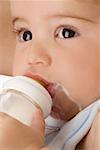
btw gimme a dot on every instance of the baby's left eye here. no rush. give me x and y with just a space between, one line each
65 32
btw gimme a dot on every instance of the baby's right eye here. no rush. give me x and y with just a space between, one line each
24 35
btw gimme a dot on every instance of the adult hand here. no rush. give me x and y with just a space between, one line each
16 136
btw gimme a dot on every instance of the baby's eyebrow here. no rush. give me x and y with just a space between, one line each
18 19
82 11
69 16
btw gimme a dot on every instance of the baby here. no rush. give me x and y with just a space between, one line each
58 41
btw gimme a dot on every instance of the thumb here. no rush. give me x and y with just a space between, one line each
38 122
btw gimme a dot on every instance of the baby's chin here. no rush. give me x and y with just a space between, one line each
64 107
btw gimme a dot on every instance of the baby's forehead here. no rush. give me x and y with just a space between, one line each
40 8
51 3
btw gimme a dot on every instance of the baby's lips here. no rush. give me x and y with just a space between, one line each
52 89
35 77
49 86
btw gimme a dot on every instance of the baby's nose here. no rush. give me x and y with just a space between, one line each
39 57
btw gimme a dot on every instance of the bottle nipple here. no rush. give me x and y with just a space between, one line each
41 83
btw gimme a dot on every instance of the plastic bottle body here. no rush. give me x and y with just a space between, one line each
20 100
17 106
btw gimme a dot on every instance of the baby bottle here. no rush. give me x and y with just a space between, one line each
19 97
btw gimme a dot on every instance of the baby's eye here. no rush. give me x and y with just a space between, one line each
24 36
66 32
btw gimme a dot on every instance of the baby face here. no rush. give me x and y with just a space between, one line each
60 41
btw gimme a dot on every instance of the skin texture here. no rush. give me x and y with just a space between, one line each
77 57
21 136
7 42
72 62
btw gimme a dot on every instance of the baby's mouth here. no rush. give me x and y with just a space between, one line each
48 85
64 107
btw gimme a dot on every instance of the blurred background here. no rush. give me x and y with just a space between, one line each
7 44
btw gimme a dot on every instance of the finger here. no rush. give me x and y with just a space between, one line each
38 121
4 117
